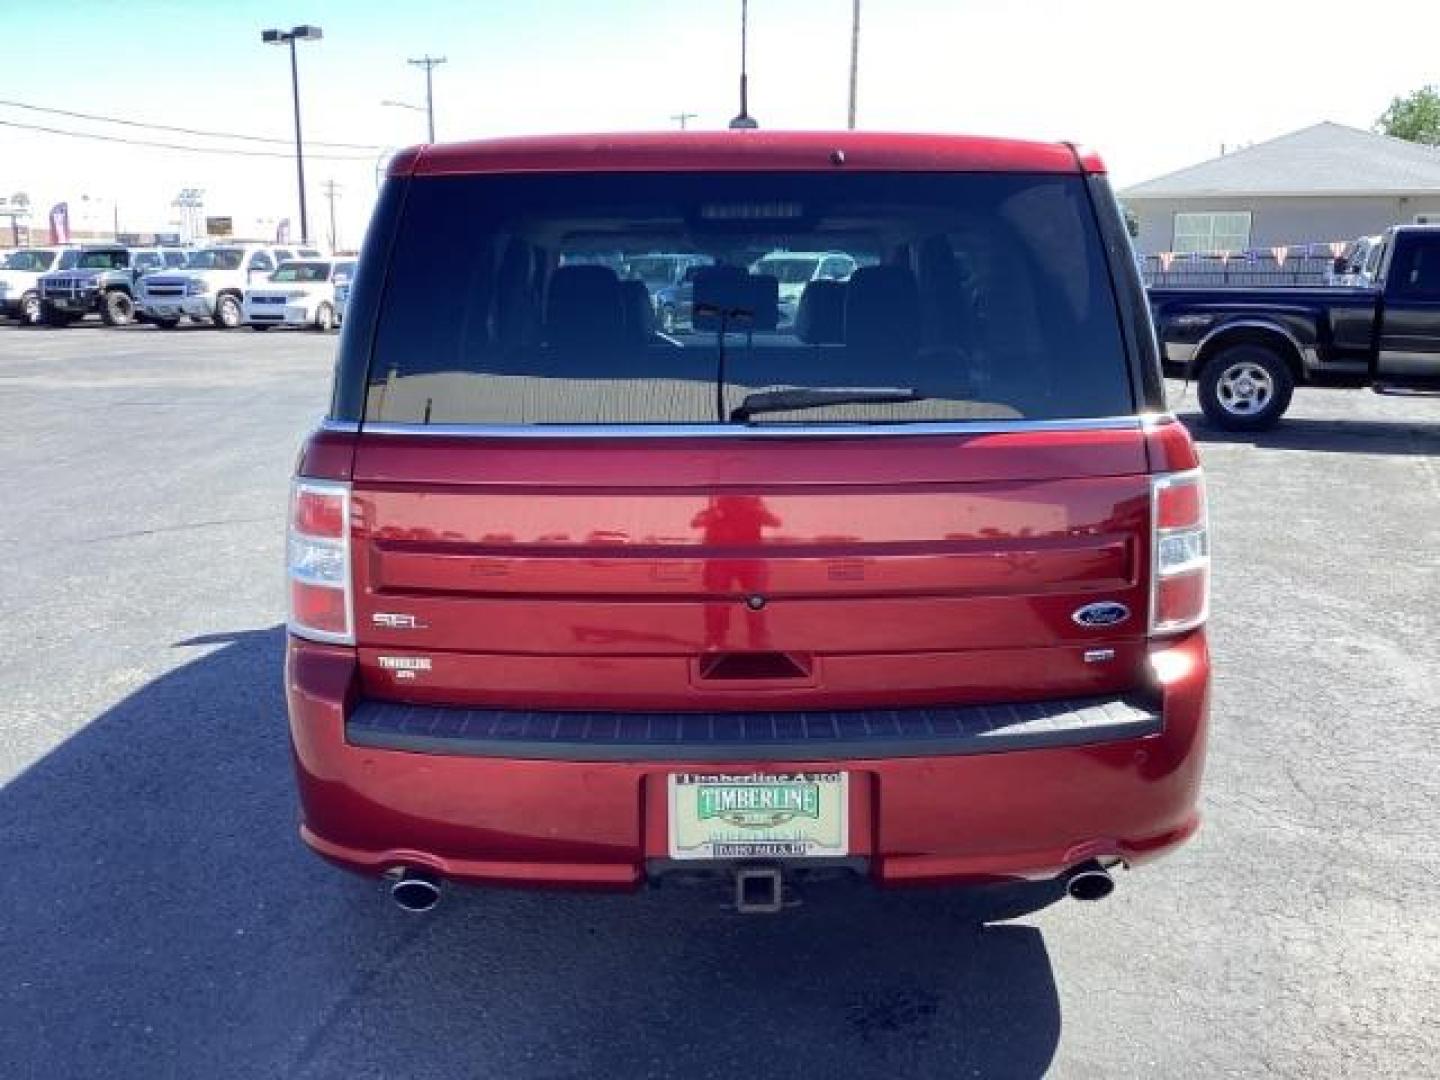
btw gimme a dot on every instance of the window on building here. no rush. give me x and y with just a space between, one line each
1212 232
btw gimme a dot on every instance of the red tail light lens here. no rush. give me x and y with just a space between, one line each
1180 553
317 563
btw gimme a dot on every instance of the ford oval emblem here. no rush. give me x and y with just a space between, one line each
1104 613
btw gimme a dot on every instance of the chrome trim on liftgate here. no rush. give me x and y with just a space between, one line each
731 431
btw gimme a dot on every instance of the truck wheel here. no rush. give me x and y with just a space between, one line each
1245 388
324 318
117 309
227 312
30 309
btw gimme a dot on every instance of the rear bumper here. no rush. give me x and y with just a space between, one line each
941 818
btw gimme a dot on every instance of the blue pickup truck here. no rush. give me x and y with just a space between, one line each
1247 349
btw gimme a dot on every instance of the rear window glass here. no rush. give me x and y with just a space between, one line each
554 300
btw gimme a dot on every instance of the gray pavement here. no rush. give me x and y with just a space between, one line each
159 918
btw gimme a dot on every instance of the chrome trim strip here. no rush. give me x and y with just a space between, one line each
731 431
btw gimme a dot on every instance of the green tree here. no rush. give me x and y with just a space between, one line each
1415 117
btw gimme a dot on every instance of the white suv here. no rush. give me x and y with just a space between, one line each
20 277
211 287
299 293
796 269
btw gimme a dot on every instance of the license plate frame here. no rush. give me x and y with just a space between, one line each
738 816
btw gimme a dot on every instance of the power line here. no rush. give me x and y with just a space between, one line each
229 152
177 130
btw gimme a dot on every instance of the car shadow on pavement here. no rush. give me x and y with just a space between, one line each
159 917
1336 436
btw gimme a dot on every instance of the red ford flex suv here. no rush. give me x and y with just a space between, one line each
913 586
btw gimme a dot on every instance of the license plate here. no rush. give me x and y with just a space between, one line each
759 815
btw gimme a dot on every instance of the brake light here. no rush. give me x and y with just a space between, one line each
1180 553
317 565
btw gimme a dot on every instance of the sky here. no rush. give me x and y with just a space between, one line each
1154 86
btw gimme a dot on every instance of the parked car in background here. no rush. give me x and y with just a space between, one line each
212 286
674 303
900 592
300 293
20 273
103 281
1248 348
796 269
658 271
1359 262
342 298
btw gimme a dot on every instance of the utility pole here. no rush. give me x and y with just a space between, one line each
429 63
854 59
332 192
682 117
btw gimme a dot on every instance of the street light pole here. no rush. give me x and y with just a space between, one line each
299 143
429 63
277 37
854 59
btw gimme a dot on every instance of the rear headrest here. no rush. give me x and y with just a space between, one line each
731 288
584 307
820 318
882 310
639 310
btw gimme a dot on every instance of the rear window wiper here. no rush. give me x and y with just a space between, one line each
767 401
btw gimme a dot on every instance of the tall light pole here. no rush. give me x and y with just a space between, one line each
429 63
743 120
284 37
854 59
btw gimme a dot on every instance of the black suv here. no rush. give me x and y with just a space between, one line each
102 281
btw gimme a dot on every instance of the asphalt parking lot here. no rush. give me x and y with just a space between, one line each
159 918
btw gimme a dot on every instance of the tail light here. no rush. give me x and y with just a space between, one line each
317 564
1180 553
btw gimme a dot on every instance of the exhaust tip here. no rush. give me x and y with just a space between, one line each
1092 882
416 892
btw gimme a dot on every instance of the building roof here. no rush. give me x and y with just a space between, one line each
765 151
1326 159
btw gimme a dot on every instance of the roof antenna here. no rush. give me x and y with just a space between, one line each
744 121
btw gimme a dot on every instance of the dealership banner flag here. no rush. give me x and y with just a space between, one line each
1166 258
282 231
60 223
1281 254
